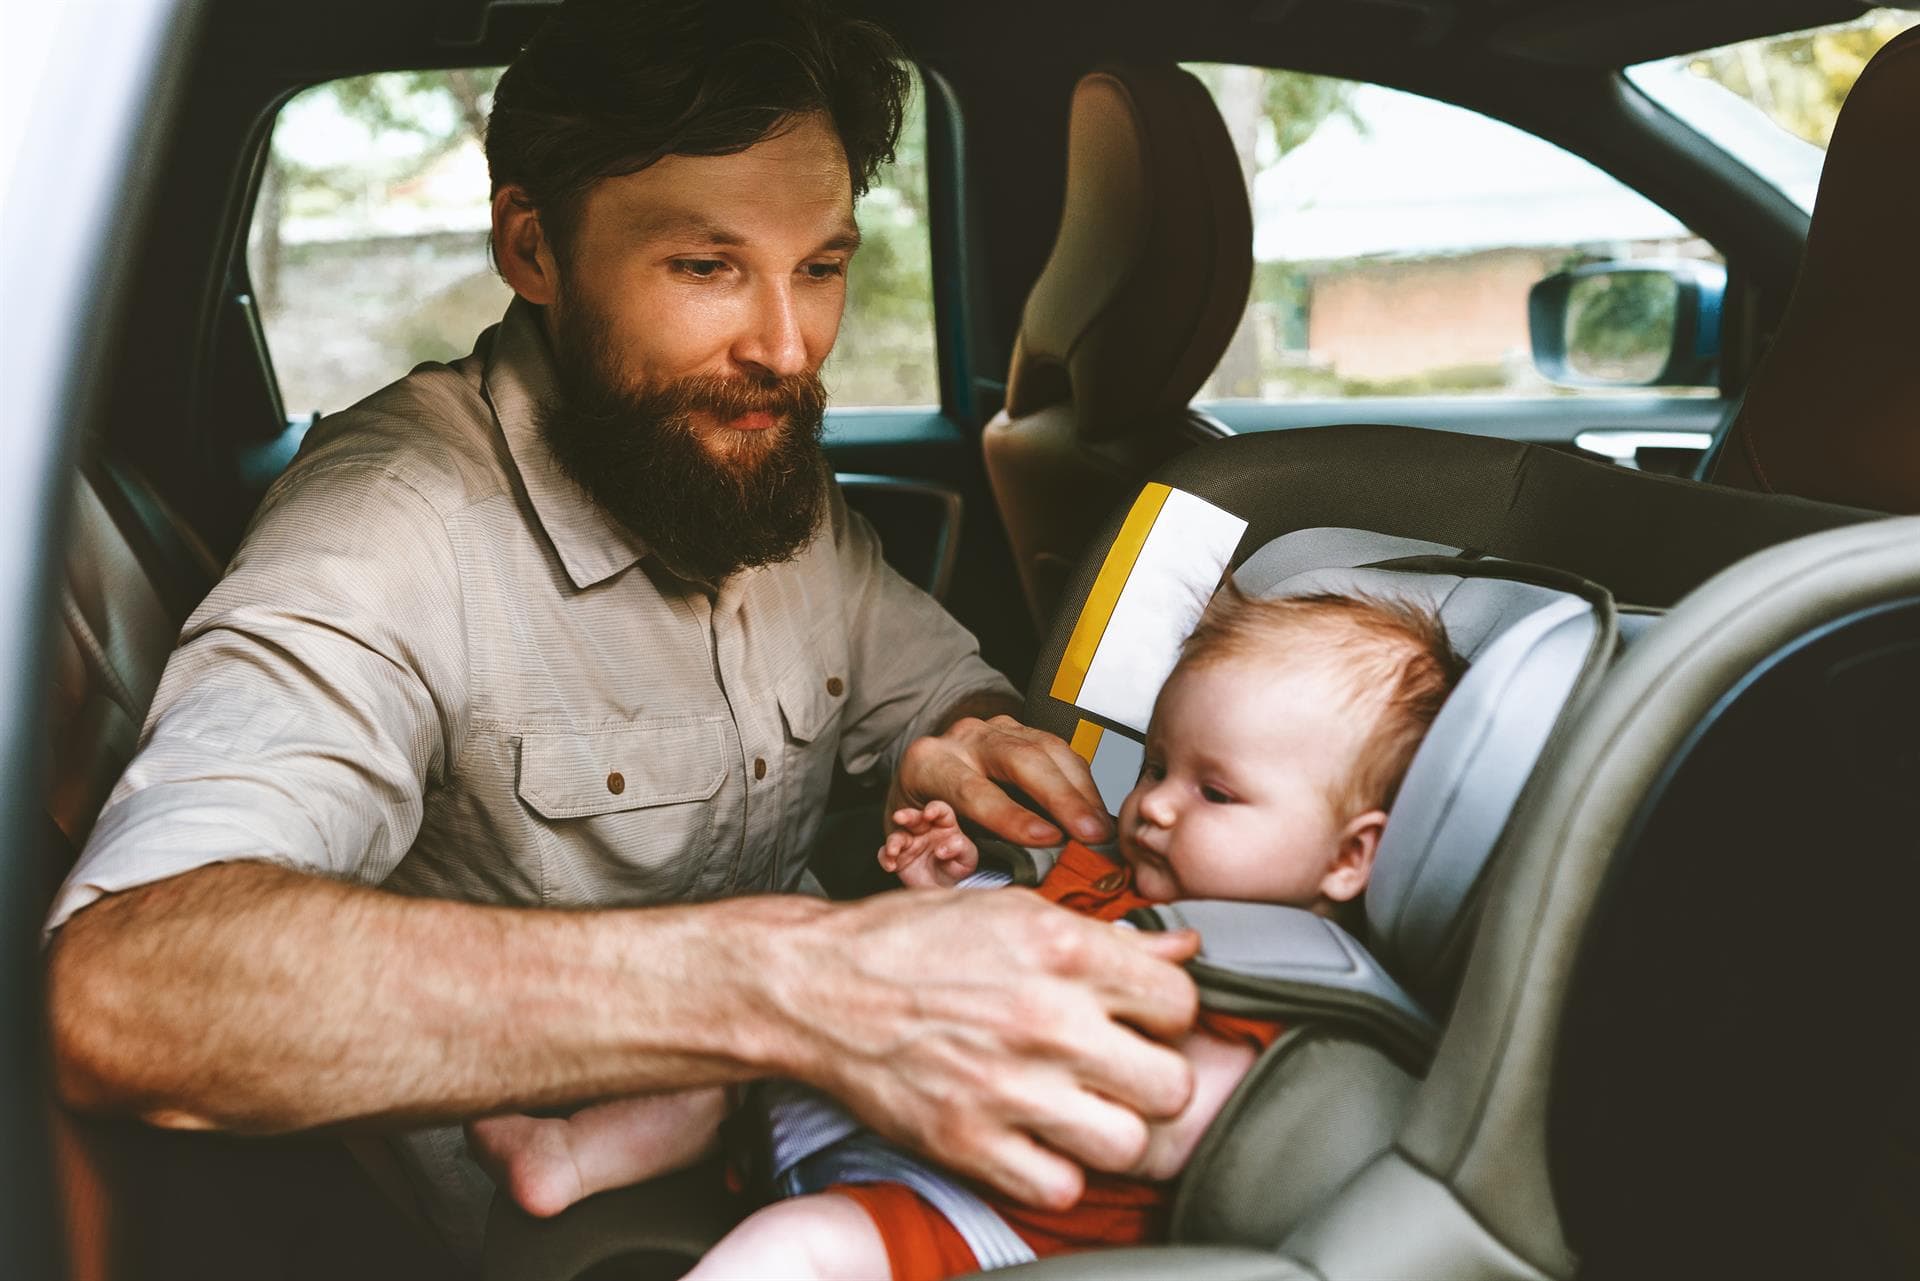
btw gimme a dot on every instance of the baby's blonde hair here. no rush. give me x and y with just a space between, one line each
1390 658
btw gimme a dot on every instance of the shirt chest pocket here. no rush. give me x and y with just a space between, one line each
813 695
636 799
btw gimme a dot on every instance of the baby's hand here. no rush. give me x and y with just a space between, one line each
927 847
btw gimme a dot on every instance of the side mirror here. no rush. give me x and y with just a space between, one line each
1629 324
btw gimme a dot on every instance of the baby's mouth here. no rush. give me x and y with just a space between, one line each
1145 860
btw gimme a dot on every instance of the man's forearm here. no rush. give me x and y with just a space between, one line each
248 997
983 705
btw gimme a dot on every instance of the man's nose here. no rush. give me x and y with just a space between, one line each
772 341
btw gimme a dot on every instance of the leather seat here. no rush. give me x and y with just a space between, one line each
1831 410
1146 282
143 1202
133 571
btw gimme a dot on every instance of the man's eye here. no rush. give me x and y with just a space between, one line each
825 270
1214 796
699 268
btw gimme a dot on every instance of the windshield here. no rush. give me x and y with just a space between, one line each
1771 103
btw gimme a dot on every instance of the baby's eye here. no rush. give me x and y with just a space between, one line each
1214 796
699 268
1153 771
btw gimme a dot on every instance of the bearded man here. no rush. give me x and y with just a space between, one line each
485 778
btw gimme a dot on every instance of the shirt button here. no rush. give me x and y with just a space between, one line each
835 686
759 767
616 782
1110 882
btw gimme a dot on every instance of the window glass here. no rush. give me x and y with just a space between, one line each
368 248
1396 238
1771 103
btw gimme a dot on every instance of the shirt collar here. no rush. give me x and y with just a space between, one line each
591 544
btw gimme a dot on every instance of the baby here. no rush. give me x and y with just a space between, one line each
1274 751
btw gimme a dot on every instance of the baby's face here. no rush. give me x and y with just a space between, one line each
1235 799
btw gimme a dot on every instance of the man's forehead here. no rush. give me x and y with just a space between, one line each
827 225
794 183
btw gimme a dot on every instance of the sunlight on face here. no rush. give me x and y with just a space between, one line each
730 267
1235 799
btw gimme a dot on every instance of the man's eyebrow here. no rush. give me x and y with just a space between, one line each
681 224
847 239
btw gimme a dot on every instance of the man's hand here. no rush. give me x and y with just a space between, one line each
927 849
965 763
995 1032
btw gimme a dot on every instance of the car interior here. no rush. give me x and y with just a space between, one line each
1626 999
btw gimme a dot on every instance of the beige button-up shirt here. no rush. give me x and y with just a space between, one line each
434 665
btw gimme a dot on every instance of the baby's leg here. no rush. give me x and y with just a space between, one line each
547 1163
826 1237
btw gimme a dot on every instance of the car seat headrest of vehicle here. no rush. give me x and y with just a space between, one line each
1527 646
1830 412
1150 270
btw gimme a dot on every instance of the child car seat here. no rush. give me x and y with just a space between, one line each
1460 1183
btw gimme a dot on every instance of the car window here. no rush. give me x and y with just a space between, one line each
368 246
1771 103
1396 238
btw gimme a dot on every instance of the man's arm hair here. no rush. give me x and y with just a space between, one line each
245 996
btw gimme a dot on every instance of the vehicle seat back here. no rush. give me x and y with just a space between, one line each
1146 282
1833 411
133 572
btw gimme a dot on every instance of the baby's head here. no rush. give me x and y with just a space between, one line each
1277 746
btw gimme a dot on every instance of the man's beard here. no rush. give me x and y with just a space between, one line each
637 451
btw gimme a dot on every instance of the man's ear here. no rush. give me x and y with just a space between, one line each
521 248
1353 863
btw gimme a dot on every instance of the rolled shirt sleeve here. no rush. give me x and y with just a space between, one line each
911 660
315 695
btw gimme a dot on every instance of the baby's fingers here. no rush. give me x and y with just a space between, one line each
912 819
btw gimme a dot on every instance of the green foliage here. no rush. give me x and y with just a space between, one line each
1801 79
886 353
1620 324
1297 104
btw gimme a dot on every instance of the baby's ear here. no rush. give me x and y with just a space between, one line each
1353 862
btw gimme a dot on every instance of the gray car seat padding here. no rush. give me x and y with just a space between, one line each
1648 539
1529 647
1315 1109
1479 1121
1266 960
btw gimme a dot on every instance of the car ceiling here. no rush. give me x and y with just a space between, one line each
342 37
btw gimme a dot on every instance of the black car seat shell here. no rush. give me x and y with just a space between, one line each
1148 277
1831 411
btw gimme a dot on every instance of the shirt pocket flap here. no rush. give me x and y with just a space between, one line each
578 775
809 699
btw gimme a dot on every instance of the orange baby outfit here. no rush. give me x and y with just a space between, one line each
1115 1211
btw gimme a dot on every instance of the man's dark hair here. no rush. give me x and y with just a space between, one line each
608 87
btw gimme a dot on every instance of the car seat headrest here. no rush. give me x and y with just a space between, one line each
1830 411
1527 646
1150 271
